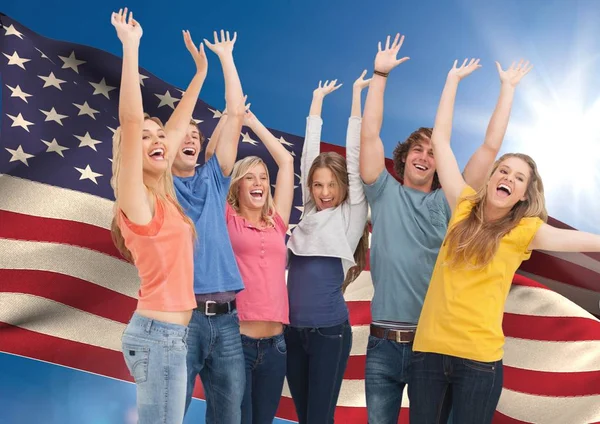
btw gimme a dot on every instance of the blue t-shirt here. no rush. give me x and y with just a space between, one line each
408 228
203 198
315 291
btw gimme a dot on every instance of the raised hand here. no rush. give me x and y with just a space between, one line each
198 54
224 46
361 82
386 59
249 118
463 70
324 89
514 74
128 30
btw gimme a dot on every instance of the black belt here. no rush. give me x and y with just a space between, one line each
210 307
399 336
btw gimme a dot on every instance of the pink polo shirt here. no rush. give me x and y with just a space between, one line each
261 256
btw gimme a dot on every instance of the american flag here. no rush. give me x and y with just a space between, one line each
66 294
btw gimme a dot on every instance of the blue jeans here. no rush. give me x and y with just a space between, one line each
317 359
215 352
265 372
155 353
386 375
440 382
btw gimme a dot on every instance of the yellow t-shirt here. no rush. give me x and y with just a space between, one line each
463 309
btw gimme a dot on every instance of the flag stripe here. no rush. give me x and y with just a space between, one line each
562 384
546 266
567 329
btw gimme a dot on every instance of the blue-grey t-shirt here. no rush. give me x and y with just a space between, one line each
408 228
203 198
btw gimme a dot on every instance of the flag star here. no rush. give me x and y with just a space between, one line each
114 130
247 139
197 121
142 78
102 88
299 177
19 121
53 146
216 113
87 141
300 208
11 30
166 99
290 228
85 109
52 81
88 174
285 142
292 152
43 55
17 92
53 115
16 60
19 154
71 62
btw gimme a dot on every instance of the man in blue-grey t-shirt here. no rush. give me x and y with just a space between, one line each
214 343
409 223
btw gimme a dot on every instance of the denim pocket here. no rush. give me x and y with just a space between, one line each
136 359
417 357
480 366
373 342
281 346
335 332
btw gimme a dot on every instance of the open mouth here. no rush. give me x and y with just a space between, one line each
421 167
327 202
257 194
157 154
503 191
189 151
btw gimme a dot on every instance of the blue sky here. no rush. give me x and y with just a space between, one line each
284 47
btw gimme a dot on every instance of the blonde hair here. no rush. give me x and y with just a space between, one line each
336 163
165 193
240 169
475 240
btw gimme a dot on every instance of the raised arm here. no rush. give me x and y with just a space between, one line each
214 138
447 168
480 163
372 156
131 193
284 186
356 191
176 126
312 137
559 240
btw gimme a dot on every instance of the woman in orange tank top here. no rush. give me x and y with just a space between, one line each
150 229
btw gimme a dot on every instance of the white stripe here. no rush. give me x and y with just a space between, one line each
552 356
540 302
58 320
360 289
549 410
587 299
98 268
48 201
360 338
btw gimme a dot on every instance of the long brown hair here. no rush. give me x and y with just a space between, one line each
337 165
473 240
166 193
240 169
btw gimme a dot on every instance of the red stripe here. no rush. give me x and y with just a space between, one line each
521 280
566 272
32 228
70 291
555 329
355 370
360 312
553 384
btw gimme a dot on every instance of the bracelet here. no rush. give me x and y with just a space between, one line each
381 74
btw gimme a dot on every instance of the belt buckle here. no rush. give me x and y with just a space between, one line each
209 302
399 336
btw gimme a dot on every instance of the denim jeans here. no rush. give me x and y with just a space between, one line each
317 359
265 372
155 354
215 352
437 382
386 375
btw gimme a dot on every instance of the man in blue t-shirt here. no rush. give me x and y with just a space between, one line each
214 342
409 223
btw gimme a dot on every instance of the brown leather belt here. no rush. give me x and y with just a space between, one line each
399 336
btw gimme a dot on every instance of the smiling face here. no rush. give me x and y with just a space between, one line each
154 148
253 188
419 165
325 189
508 183
187 156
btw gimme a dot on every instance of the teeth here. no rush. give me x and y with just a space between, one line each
421 167
256 192
189 150
505 187
159 150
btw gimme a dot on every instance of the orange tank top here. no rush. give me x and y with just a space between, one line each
162 251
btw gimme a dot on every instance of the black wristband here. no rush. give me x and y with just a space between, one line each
381 74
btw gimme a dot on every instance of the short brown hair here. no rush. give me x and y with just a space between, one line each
192 122
402 149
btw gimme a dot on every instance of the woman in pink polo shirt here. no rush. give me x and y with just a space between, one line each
257 226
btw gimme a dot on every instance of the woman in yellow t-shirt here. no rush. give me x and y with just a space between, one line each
458 347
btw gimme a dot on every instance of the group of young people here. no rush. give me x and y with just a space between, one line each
209 243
